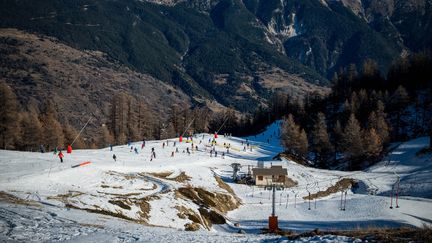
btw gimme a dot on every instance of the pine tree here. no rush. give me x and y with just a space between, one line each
347 110
377 120
354 103
52 132
352 144
70 134
118 116
105 137
337 137
9 117
321 145
372 143
289 130
231 121
143 122
352 72
175 119
370 69
302 143
293 138
372 120
31 131
201 119
398 102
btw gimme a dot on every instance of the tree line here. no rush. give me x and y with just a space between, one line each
363 114
30 127
354 124
131 120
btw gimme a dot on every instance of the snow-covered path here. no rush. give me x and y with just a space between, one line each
132 181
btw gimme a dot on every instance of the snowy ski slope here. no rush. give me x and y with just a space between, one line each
42 178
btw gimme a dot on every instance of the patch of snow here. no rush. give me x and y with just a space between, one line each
286 31
309 51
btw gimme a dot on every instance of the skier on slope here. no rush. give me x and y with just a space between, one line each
114 157
60 155
153 154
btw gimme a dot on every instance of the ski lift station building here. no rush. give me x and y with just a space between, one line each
276 174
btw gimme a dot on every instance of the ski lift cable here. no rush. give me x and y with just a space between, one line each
226 119
188 127
82 129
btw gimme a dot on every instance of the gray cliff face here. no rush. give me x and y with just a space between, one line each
329 34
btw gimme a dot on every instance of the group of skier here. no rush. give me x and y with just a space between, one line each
212 143
58 152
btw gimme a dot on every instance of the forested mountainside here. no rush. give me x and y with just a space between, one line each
233 51
218 59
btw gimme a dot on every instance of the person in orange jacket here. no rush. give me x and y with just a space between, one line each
60 155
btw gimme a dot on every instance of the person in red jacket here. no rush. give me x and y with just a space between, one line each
60 155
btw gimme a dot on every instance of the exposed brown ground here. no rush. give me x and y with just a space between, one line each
182 177
343 184
9 198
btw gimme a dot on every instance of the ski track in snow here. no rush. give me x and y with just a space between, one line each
40 178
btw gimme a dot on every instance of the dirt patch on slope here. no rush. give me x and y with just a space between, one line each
187 213
223 185
182 177
221 202
211 217
64 197
98 210
114 187
206 217
9 198
144 207
162 175
127 195
120 203
192 226
343 184
123 201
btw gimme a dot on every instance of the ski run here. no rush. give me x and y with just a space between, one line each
141 198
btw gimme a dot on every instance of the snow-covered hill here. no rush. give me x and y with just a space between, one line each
121 200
